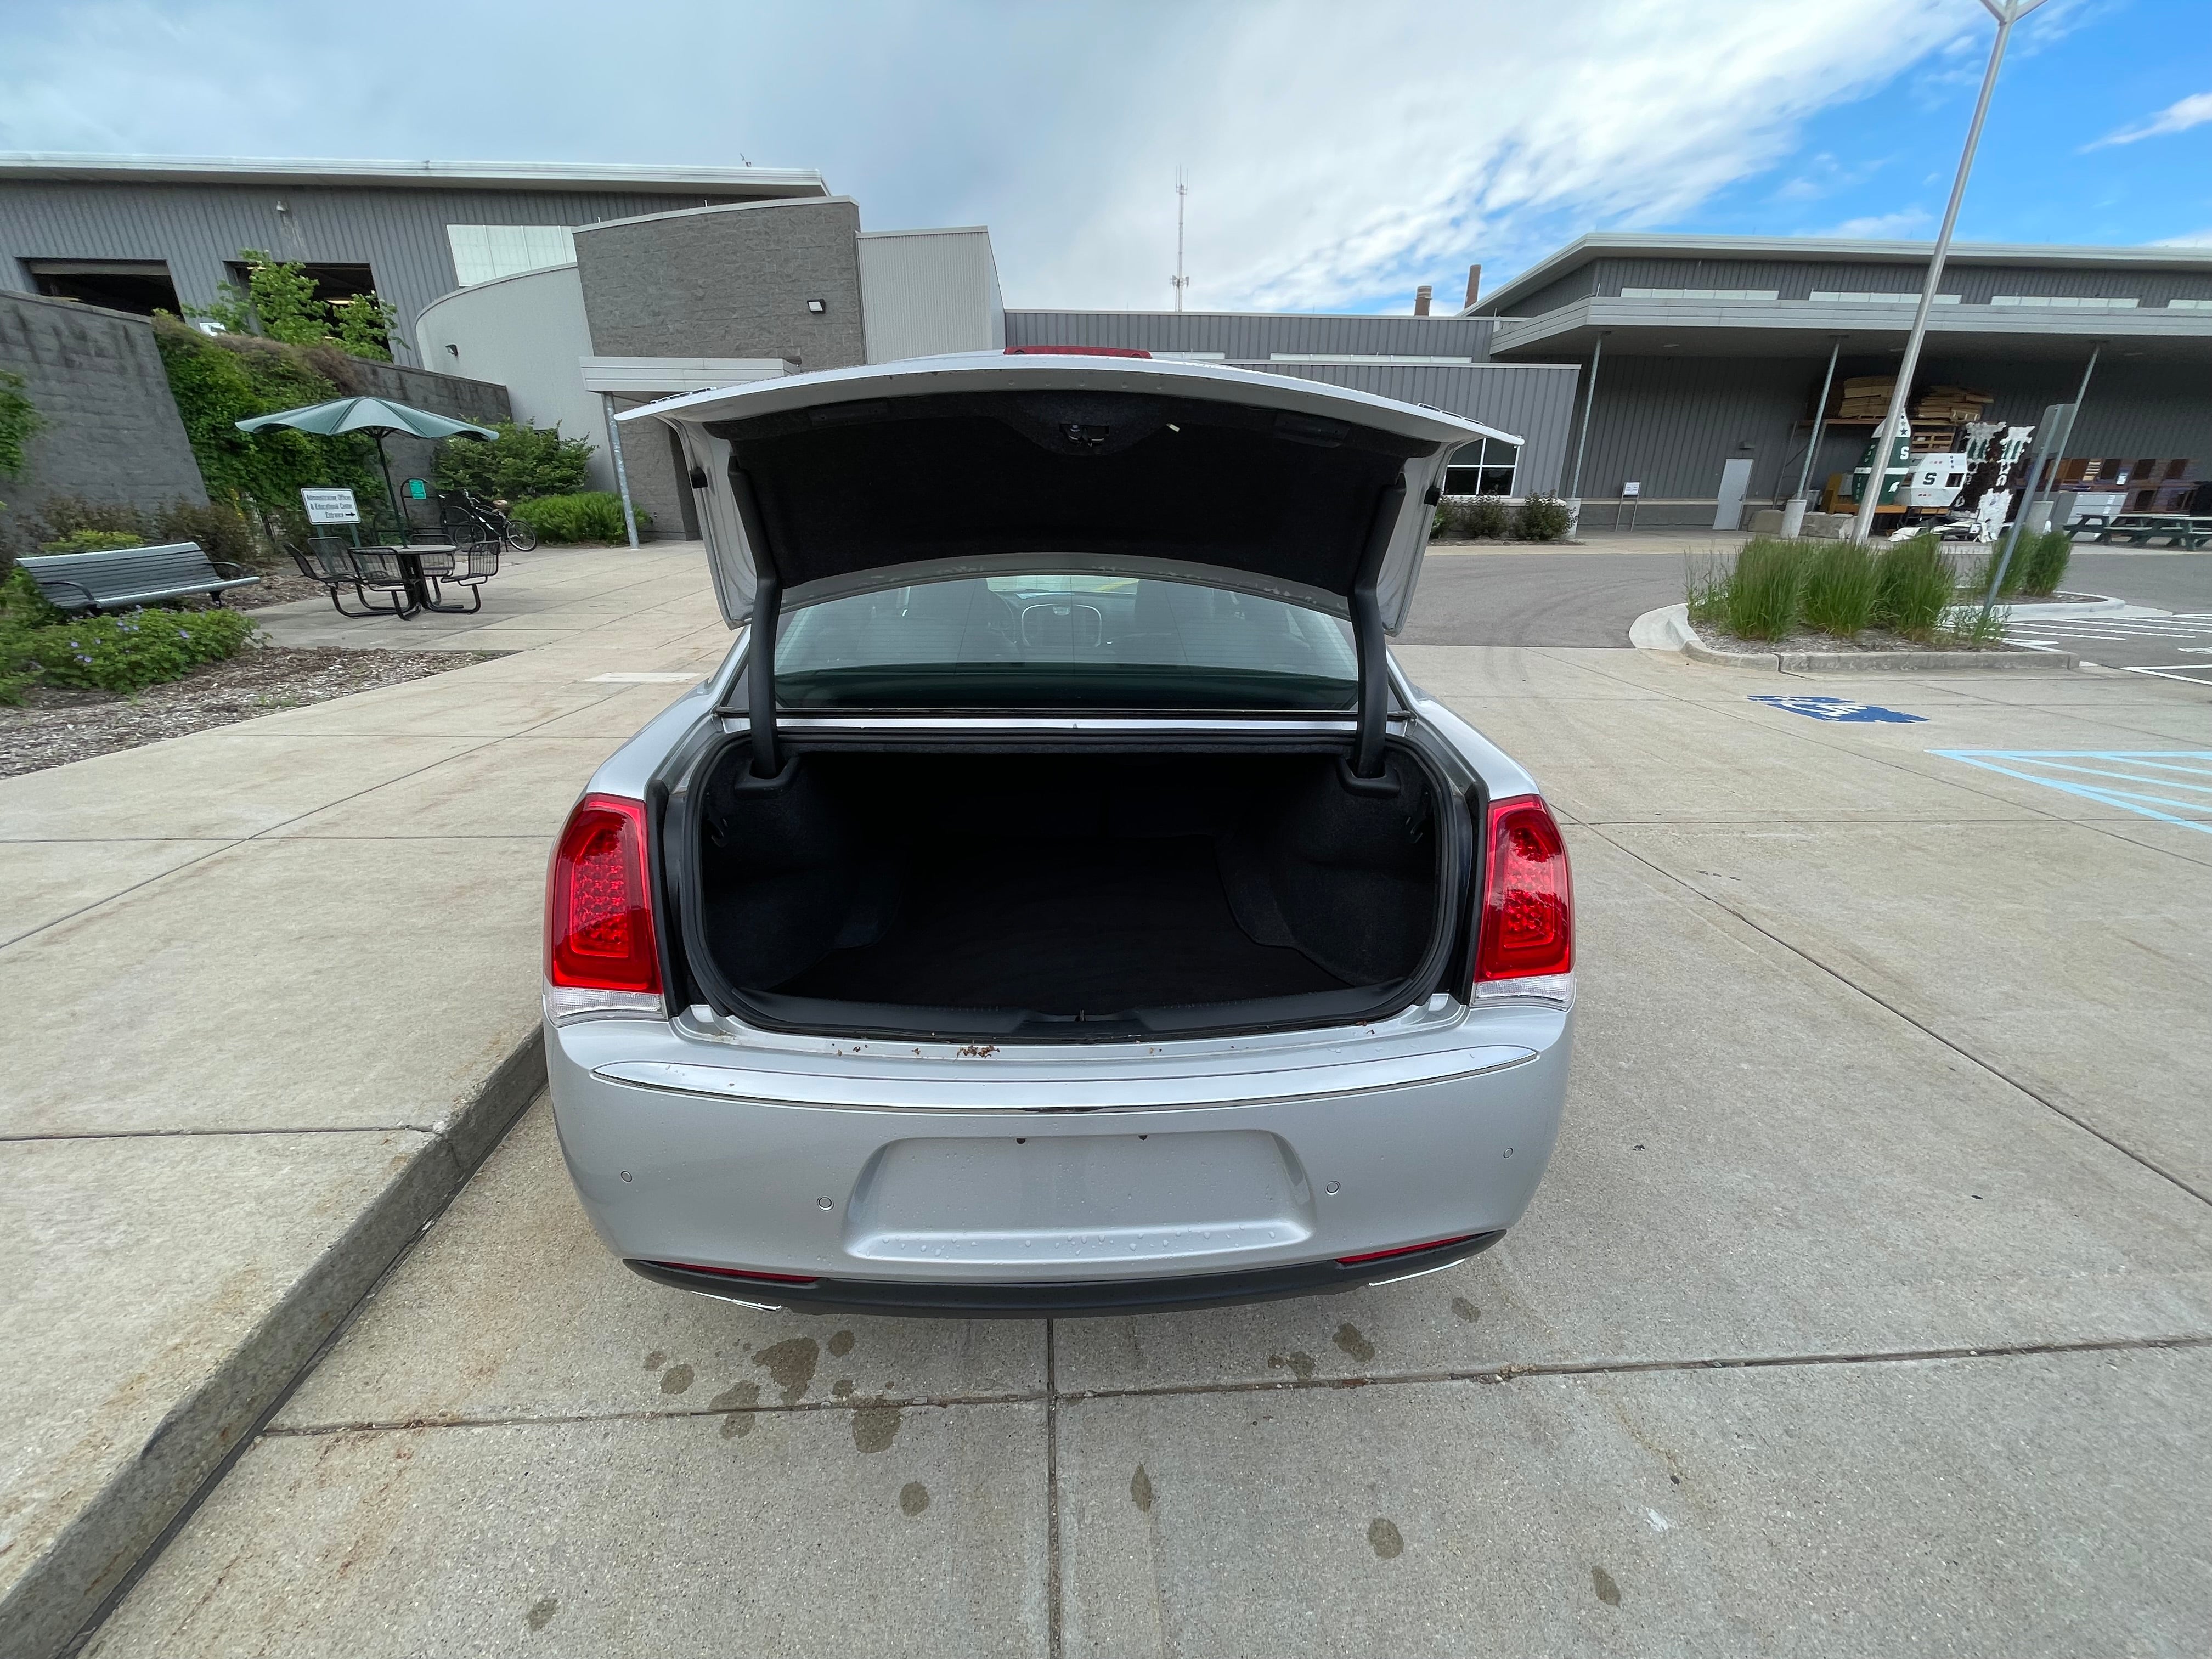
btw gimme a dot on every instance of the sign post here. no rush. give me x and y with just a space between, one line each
332 506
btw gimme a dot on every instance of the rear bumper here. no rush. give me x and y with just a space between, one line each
1039 1299
1032 1182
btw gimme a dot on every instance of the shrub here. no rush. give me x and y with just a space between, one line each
1765 591
592 515
1913 583
1971 625
2043 560
132 651
22 604
1986 572
93 541
523 462
1705 589
280 302
1541 519
18 422
1840 588
1487 518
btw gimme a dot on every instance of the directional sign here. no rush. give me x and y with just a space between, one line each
1839 709
331 506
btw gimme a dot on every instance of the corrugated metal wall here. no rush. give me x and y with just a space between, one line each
399 233
1535 401
1796 279
924 292
1669 422
1246 337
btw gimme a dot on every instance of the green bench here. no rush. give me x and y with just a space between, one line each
124 577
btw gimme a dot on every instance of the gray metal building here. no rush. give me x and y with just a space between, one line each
1699 350
132 232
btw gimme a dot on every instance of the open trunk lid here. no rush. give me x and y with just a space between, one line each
834 482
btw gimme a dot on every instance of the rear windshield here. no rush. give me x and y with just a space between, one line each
1061 641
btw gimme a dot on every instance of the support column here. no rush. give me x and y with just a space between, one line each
1582 441
1793 510
621 473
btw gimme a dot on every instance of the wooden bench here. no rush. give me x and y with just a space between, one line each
123 577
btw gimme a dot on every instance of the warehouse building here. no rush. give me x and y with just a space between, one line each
1703 358
1666 381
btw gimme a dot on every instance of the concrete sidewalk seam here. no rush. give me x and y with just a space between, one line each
1922 1026
63 1593
1054 1617
856 1402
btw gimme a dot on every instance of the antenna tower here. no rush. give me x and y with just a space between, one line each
1179 281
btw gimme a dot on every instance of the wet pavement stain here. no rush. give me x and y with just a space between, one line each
1301 1365
675 1379
874 1427
541 1613
842 1388
1607 1591
1140 1490
913 1499
1465 1309
738 1400
1349 1338
840 1345
655 1360
791 1365
1384 1539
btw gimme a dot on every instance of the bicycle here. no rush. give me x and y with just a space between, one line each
483 521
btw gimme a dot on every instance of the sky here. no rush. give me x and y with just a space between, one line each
1336 154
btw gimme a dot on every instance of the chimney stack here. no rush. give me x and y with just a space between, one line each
1421 301
1474 285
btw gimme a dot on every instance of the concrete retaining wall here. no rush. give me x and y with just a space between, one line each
111 433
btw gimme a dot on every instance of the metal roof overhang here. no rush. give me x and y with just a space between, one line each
56 167
1806 328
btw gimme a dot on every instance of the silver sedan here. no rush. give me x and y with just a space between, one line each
1077 911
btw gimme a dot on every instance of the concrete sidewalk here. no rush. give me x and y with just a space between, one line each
1867 1307
271 993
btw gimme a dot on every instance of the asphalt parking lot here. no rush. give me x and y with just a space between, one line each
1866 1307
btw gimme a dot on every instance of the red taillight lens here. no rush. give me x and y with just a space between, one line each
738 1273
1529 909
1403 1249
598 914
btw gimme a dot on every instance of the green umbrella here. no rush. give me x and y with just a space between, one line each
370 415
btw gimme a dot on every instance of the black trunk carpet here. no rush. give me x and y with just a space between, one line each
1063 927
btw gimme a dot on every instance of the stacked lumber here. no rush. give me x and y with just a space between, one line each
1952 405
1865 397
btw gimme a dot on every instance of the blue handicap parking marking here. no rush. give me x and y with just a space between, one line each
2173 785
1839 709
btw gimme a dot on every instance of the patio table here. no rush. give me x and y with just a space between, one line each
411 570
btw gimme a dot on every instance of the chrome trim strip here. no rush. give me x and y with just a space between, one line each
880 1091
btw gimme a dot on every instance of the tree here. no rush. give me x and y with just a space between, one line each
523 463
279 302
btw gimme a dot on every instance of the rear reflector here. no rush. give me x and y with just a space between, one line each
1529 904
1074 351
735 1273
1406 1249
599 912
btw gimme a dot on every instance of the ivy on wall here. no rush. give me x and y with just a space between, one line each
18 420
218 380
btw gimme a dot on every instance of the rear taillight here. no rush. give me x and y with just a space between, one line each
1529 904
598 910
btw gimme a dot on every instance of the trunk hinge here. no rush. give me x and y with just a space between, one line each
1367 634
760 648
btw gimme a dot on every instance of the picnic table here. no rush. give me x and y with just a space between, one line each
413 573
2142 529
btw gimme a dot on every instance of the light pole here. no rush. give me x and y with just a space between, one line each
2007 12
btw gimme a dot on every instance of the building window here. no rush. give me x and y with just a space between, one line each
334 284
2064 303
1848 297
2189 305
1363 357
1485 467
1702 293
482 253
141 287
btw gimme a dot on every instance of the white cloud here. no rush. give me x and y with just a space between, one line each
1884 226
1336 155
2194 238
2180 116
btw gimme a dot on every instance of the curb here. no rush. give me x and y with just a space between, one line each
87 1567
1667 629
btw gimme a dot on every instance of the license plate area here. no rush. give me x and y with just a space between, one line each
1079 1199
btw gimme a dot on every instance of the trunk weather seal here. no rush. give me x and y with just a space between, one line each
1367 636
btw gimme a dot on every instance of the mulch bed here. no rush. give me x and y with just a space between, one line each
1874 639
54 727
275 587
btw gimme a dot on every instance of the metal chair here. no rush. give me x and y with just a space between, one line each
329 561
474 564
436 567
379 567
